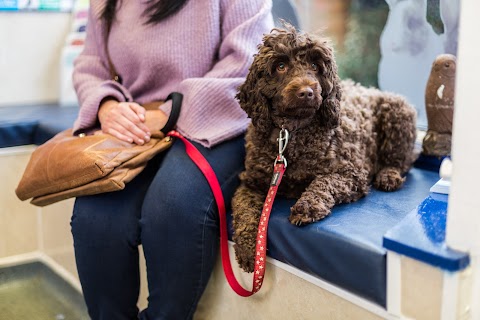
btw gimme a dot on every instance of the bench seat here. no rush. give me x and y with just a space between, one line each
344 249
33 124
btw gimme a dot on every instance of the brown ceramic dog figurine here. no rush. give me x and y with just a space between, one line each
439 104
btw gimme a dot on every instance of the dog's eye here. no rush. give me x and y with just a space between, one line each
314 66
281 67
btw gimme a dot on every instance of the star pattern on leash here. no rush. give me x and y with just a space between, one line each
260 259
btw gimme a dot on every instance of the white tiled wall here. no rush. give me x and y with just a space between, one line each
18 220
30 48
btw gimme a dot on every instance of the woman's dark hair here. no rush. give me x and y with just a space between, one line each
155 12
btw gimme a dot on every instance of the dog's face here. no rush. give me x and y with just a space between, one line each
292 80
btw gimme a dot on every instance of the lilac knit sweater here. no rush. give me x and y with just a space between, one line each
204 52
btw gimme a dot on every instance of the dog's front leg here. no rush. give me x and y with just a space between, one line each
323 193
247 207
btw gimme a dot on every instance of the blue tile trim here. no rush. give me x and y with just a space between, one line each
421 236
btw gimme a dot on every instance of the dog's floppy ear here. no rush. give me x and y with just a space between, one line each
329 112
248 93
250 96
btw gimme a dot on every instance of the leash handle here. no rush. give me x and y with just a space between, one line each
261 245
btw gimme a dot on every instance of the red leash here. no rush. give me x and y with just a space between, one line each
261 244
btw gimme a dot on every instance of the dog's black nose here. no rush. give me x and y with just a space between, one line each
305 93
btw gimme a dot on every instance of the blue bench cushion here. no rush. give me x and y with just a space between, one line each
33 124
346 248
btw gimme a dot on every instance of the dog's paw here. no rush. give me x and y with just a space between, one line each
388 179
245 257
303 212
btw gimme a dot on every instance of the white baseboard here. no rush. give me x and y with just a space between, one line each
20 150
341 293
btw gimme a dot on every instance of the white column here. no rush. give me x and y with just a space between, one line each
394 284
463 222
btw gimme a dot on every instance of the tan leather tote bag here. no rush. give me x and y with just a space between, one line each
69 166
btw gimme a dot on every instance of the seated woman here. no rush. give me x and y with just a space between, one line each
202 49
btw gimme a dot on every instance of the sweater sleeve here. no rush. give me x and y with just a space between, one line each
91 76
209 109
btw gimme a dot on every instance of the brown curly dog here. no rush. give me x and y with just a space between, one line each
342 136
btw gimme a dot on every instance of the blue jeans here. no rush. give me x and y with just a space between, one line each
170 210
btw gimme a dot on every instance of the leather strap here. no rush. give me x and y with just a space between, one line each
111 68
261 245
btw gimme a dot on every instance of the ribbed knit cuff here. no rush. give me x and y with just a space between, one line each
166 107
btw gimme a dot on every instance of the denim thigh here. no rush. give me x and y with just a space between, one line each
170 209
179 226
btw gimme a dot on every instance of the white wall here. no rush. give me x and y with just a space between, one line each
30 48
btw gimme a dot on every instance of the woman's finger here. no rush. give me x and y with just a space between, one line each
141 114
118 135
129 113
126 127
139 110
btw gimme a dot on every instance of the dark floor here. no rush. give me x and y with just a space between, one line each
33 292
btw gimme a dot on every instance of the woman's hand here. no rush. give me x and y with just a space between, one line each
124 120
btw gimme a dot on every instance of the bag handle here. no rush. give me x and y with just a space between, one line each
177 98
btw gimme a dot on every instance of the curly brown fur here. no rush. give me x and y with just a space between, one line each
343 136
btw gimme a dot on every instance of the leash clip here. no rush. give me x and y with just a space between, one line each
282 145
